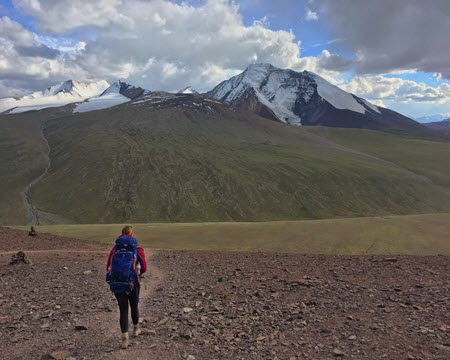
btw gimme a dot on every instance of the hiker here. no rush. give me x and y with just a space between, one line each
32 232
126 263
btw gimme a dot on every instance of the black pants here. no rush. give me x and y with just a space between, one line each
123 300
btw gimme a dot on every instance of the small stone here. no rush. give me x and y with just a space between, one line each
352 337
87 272
337 353
81 327
65 268
163 321
59 355
187 309
190 357
443 347
186 335
150 332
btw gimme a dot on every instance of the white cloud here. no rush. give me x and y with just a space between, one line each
27 64
311 15
157 44
59 16
379 87
437 76
197 45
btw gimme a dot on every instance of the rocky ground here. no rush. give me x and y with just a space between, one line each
211 305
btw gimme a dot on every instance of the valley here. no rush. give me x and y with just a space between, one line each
186 158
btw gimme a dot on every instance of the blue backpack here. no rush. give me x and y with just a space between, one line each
122 275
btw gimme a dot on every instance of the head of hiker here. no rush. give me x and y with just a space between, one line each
125 266
127 230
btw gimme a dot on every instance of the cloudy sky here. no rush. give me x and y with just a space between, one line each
394 53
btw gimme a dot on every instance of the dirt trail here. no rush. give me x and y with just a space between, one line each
41 304
140 347
33 215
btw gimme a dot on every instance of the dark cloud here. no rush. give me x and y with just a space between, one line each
334 62
37 51
389 35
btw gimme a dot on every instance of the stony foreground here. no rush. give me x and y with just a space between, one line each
211 305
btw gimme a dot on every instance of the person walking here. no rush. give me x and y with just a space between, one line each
126 263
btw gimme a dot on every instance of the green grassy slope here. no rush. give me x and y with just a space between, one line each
421 156
183 163
23 158
413 234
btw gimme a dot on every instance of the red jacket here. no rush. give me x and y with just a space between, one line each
141 259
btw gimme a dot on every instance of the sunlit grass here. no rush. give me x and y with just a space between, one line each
411 234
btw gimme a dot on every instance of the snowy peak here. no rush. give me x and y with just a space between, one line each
70 87
188 90
57 95
118 93
432 118
125 89
289 95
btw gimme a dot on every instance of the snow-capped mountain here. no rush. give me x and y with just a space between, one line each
432 118
188 90
118 93
58 95
286 95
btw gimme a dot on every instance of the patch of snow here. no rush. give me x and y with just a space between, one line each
188 90
339 98
273 93
213 101
372 106
101 102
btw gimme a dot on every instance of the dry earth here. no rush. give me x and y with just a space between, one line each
218 305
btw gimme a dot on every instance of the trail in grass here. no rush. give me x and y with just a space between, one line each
354 151
33 218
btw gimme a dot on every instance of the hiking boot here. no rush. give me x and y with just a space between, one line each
125 340
137 330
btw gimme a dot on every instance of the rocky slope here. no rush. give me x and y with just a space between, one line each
210 305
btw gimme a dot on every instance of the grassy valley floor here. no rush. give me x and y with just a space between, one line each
411 234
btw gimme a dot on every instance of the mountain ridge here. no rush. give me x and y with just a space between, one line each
67 92
284 95
305 98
